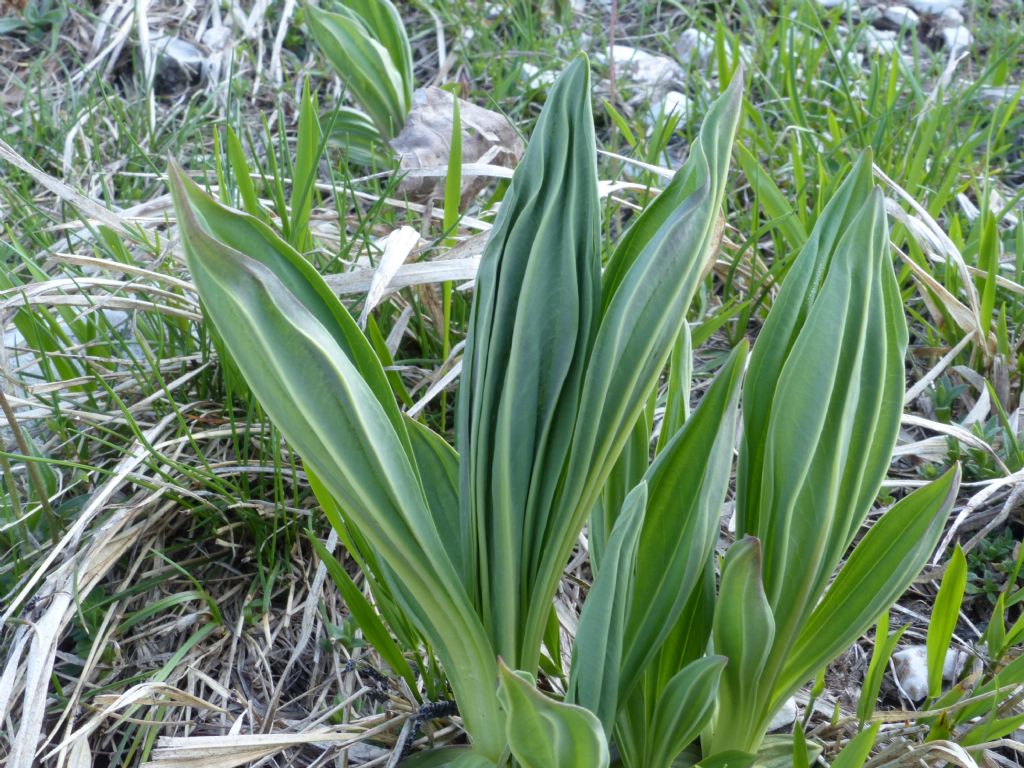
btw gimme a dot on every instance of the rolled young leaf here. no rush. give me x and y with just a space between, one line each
821 408
808 475
376 81
544 733
687 484
383 20
644 304
531 327
743 632
685 707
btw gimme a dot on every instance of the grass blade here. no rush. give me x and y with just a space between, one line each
945 614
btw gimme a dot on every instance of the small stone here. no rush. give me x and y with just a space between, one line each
881 41
935 7
695 47
956 39
537 78
911 666
951 17
785 716
872 14
901 16
648 72
953 665
675 103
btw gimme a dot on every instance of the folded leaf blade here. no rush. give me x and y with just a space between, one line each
687 486
320 402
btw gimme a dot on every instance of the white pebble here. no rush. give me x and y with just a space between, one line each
901 16
935 7
785 717
951 17
881 41
646 70
957 39
695 47
675 103
911 666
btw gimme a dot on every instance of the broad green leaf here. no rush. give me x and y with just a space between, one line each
743 632
365 616
856 753
246 234
688 640
821 409
632 728
902 540
945 614
645 293
364 65
323 406
780 331
598 651
686 643
822 405
543 733
383 20
885 644
685 707
687 484
438 466
531 326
